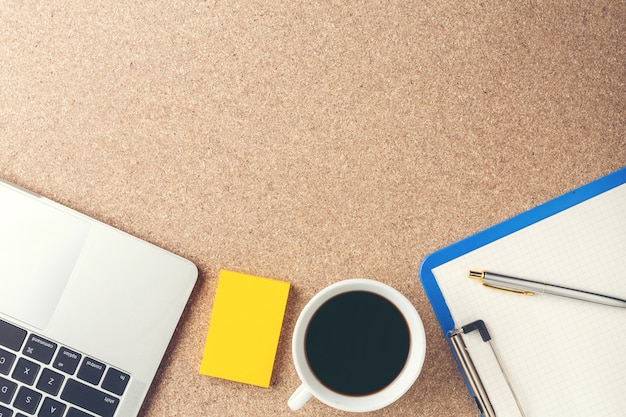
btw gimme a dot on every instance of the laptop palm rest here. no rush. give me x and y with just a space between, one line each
39 247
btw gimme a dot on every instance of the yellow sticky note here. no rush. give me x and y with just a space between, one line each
245 327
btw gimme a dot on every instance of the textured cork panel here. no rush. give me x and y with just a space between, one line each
308 143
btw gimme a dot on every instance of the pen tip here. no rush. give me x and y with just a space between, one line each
476 274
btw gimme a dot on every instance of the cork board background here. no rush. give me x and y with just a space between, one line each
308 142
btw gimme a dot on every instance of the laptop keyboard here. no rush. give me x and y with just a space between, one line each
39 377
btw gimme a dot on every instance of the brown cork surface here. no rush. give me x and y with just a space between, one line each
308 142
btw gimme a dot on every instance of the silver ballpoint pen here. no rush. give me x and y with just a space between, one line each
530 287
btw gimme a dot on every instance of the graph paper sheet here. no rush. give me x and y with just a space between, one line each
563 357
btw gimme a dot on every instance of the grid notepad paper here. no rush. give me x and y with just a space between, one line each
564 357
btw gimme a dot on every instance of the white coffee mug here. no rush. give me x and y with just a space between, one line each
312 387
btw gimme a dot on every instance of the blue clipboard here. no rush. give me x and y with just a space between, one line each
494 233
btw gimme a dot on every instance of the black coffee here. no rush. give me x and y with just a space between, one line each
357 343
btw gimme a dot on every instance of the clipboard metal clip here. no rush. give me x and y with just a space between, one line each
469 370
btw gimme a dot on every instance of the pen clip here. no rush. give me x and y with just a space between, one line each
521 292
480 275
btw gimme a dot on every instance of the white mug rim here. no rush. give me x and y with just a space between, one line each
391 392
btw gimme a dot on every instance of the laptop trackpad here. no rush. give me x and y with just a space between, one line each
39 246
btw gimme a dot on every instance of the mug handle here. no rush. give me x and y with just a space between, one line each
299 397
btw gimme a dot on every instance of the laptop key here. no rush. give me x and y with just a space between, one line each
115 381
11 336
51 408
5 412
27 400
91 371
50 382
67 360
25 371
74 412
7 390
39 349
89 398
6 361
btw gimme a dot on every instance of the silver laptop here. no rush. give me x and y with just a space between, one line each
86 311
